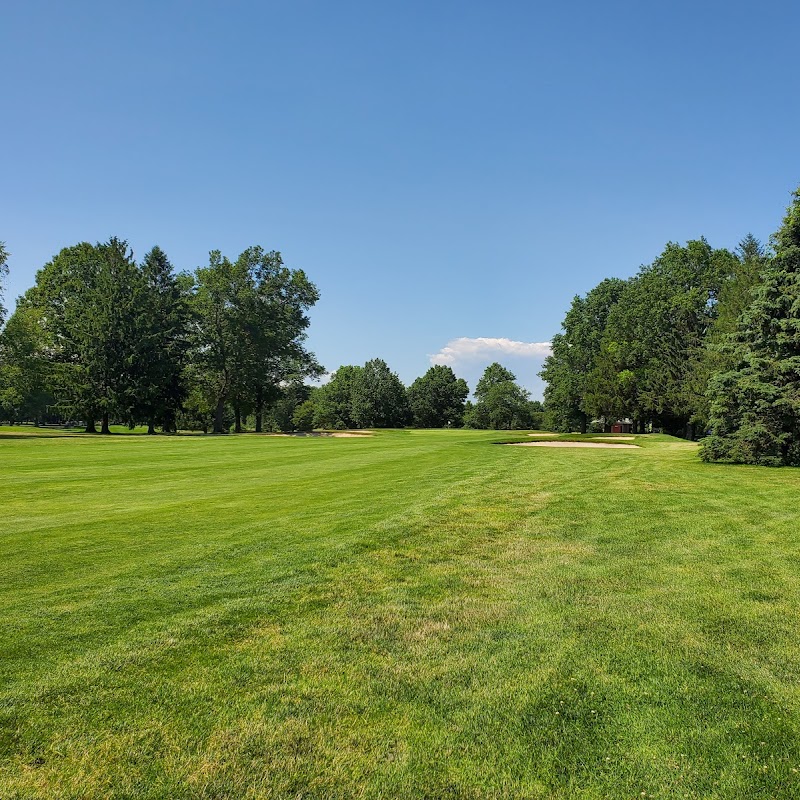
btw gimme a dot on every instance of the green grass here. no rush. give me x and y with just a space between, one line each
411 615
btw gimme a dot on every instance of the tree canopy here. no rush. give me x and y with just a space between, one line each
100 336
500 403
437 399
638 348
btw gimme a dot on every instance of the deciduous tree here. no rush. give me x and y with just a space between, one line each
437 398
378 397
333 402
25 368
500 403
574 354
90 298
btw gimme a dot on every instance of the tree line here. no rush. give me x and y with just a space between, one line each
100 337
373 396
701 343
103 338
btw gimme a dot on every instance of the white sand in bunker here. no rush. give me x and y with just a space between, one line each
573 444
599 436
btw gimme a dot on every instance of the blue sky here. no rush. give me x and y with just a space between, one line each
444 171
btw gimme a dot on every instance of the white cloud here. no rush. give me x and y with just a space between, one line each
482 348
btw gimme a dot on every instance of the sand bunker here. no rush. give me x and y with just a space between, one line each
613 436
572 444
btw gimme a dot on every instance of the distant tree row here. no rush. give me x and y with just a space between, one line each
373 396
701 341
102 338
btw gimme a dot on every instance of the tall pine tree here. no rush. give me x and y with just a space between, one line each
159 388
3 273
755 405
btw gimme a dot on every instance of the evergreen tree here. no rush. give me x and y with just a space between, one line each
755 405
3 274
159 387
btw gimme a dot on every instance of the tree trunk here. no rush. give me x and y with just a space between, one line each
90 427
238 413
583 423
218 415
104 424
151 428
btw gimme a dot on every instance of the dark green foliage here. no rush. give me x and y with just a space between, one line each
500 403
437 399
158 387
379 398
139 344
639 348
281 413
3 273
574 355
755 405
250 330
655 338
303 416
276 302
25 369
217 352
371 396
333 402
537 414
197 411
737 292
91 300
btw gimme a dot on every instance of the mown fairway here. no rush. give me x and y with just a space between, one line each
418 614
